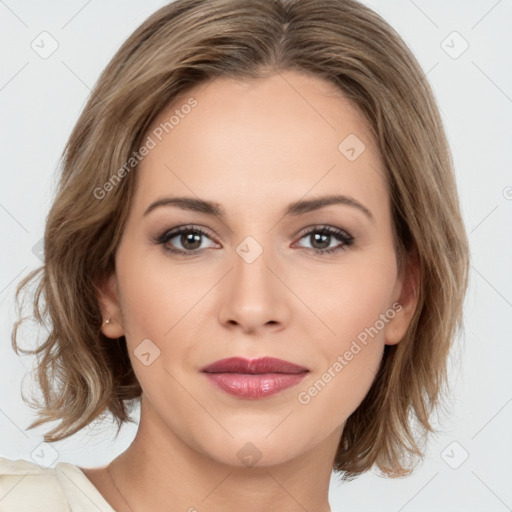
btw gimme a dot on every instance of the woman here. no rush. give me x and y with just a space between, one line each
256 234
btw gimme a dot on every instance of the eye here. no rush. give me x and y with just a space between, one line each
321 238
190 238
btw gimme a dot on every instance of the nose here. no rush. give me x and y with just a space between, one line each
254 298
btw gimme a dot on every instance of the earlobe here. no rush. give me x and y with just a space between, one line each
406 301
108 298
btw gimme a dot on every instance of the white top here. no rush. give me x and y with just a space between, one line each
28 487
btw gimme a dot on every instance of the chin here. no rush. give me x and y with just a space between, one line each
254 448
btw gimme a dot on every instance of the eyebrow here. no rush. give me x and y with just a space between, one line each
294 209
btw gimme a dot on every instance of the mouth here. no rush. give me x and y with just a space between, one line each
254 379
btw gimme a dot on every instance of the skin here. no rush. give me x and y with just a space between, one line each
253 147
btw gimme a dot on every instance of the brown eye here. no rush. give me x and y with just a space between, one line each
321 239
184 240
190 241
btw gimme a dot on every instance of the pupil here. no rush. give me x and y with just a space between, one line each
322 238
189 239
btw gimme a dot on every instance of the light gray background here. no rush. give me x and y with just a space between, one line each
40 100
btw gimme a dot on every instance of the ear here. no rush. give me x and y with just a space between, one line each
405 300
108 298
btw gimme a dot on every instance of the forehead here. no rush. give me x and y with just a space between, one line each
279 137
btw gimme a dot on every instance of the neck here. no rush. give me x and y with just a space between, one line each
161 471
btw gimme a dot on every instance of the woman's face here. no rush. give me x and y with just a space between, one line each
279 274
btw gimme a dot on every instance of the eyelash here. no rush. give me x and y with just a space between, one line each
343 236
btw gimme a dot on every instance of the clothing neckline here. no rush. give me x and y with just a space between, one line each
79 490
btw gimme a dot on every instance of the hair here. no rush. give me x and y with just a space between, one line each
84 375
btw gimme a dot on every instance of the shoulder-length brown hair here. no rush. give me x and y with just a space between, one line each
83 374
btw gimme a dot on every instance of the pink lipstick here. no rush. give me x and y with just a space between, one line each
256 378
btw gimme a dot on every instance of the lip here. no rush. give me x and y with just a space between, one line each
255 378
253 366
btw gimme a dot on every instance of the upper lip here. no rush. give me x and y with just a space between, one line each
253 366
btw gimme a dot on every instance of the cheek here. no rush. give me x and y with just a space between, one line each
327 400
355 305
163 303
351 297
156 295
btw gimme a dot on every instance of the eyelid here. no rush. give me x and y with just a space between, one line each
170 233
322 227
342 235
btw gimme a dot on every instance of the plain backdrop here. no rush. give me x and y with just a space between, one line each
468 464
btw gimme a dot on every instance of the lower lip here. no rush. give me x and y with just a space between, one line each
254 386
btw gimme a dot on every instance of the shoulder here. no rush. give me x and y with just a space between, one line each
28 487
25 486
